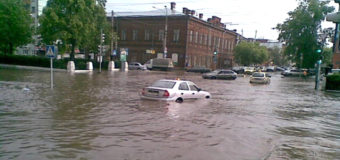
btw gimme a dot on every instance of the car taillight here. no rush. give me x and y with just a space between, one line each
143 91
166 94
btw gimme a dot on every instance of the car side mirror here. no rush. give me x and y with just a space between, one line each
199 89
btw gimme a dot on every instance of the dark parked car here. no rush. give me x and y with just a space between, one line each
220 74
199 69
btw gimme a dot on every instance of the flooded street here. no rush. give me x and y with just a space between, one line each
101 116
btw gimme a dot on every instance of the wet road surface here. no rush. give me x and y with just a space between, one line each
100 116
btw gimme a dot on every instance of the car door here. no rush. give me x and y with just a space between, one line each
194 93
184 90
220 75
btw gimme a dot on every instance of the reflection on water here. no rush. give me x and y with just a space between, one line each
100 116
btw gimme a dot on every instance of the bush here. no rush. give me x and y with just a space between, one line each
38 61
333 82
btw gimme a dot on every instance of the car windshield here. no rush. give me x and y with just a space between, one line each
258 75
164 84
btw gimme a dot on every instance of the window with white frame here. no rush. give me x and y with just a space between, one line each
191 34
123 35
147 35
134 34
176 35
196 37
161 35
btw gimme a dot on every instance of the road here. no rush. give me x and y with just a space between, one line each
101 116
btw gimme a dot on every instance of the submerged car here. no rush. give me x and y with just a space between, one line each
136 66
173 90
260 77
220 74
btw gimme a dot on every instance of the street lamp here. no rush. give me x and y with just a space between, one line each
165 50
165 32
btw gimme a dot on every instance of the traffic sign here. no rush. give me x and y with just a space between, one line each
50 51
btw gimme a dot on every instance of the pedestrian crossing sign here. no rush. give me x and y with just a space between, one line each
50 51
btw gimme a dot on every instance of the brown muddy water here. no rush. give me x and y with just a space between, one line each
101 116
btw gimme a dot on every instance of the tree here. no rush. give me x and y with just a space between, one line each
247 53
15 22
300 32
276 56
327 56
75 22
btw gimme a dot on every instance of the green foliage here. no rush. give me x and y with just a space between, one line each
76 23
300 31
333 82
277 56
15 21
327 55
247 53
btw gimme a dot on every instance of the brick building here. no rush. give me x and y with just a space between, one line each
190 40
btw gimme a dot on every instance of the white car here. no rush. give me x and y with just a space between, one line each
173 90
260 77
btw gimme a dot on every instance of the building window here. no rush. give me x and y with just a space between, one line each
201 38
123 35
191 36
134 34
176 35
161 35
147 35
205 39
209 42
33 9
196 37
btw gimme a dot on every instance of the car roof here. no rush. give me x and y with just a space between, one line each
173 80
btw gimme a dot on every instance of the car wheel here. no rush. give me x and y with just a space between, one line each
179 100
207 97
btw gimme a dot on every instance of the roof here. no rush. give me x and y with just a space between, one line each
158 12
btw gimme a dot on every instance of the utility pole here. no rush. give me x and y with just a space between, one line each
113 30
165 32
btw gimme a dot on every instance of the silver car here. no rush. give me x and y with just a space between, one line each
173 90
260 77
220 74
136 66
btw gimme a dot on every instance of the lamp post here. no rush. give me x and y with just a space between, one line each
165 33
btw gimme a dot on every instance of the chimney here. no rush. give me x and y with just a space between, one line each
173 5
193 12
188 12
201 15
185 10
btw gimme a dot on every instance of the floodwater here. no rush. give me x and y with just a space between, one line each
100 116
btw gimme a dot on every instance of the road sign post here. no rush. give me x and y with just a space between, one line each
50 52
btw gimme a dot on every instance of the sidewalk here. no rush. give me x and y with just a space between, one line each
9 66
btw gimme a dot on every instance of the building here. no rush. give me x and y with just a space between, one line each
35 7
189 40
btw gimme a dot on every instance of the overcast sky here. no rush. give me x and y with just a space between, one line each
250 16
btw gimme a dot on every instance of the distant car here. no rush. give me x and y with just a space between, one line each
270 69
173 90
238 70
280 69
294 73
136 66
249 70
220 74
260 77
199 69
